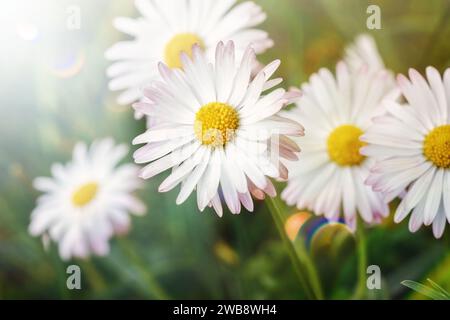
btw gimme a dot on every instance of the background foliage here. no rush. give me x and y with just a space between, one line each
54 92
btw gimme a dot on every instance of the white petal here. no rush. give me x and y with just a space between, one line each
434 197
446 194
209 183
192 180
439 223
168 161
414 195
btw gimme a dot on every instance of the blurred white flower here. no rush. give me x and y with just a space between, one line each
216 130
169 27
363 51
411 145
331 171
87 200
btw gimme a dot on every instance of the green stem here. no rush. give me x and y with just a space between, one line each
311 291
310 268
361 247
95 278
146 274
60 272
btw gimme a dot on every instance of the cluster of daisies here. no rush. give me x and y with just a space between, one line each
217 120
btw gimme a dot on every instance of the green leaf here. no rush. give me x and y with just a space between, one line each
426 291
439 288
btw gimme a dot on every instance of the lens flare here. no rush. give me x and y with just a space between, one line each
69 64
27 31
294 223
317 226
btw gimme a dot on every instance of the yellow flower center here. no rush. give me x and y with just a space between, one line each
436 146
84 194
181 42
216 123
344 144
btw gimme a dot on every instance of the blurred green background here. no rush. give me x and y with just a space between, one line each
54 92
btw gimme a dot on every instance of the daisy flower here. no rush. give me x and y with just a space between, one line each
87 200
216 129
411 145
364 51
331 172
169 27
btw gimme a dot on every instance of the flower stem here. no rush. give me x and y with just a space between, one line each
361 247
298 257
310 268
146 274
95 278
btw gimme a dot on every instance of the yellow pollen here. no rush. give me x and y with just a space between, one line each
84 194
344 144
216 123
436 146
181 42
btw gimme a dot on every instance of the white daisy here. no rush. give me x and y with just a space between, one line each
331 172
169 27
216 130
87 200
364 51
411 144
